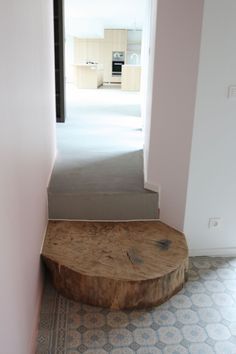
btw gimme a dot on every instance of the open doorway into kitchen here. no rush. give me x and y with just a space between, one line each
103 46
100 145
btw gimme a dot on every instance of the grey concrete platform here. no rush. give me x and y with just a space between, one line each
98 174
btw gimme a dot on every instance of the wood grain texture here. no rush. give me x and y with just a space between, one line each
116 264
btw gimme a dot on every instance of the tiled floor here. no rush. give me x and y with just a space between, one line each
201 319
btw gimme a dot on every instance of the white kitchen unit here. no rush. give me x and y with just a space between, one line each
89 50
101 51
115 40
131 76
88 76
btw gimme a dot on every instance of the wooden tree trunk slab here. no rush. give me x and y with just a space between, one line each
119 265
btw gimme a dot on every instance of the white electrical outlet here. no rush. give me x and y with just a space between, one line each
232 92
214 223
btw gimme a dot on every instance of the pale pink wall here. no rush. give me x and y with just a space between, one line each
27 149
174 91
212 179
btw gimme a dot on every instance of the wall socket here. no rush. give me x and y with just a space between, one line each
214 223
232 92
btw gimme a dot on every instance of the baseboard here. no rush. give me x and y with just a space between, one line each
33 343
90 220
213 252
151 187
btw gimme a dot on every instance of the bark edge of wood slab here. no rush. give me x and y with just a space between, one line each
119 265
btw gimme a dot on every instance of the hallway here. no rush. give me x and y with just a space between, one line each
99 147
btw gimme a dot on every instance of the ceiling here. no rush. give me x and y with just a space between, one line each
87 19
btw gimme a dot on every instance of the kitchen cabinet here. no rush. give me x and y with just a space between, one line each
131 75
88 76
115 40
108 35
107 62
95 50
100 50
119 40
80 51
88 50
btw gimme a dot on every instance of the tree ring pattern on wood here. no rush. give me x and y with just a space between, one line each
119 265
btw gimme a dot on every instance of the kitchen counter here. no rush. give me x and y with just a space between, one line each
88 76
131 76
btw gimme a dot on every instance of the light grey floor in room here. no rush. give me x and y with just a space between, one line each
98 174
100 145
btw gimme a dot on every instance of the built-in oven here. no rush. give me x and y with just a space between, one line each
118 59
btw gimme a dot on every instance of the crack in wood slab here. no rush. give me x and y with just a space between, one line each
133 257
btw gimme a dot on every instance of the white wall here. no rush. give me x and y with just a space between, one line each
212 180
178 36
27 148
88 19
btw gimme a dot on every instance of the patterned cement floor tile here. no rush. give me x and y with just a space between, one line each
200 319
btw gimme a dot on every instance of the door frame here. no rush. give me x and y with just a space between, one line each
59 65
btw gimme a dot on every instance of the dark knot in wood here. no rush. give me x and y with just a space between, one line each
164 245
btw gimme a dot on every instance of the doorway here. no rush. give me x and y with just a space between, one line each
103 47
100 145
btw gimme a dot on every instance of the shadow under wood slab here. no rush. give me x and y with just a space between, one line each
119 265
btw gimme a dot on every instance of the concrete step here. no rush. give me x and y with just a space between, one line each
103 206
